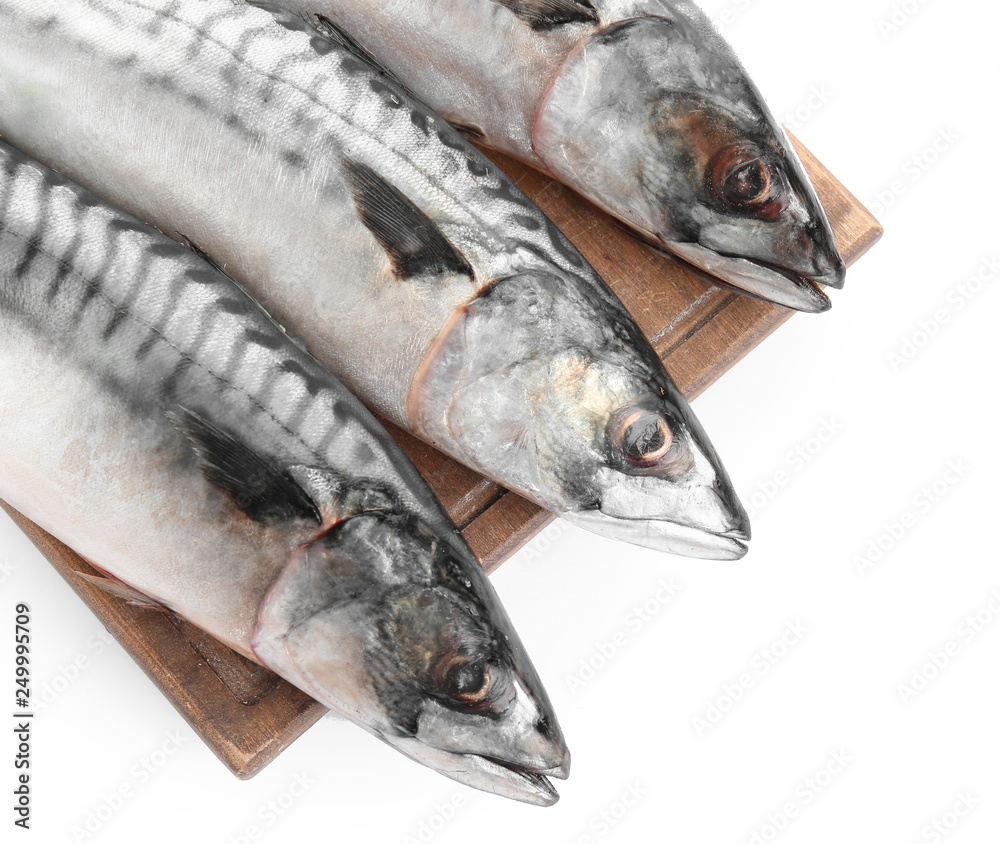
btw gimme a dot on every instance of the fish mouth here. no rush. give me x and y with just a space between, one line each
531 787
495 776
671 537
759 279
525 781
536 781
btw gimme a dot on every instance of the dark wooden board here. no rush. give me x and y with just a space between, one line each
247 715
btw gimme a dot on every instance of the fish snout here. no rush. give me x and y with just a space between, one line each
816 243
735 516
831 270
548 754
540 746
560 770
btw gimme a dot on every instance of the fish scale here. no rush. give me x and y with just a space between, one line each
369 227
186 334
639 105
158 422
431 156
262 64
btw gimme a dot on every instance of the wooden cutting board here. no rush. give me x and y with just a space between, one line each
248 715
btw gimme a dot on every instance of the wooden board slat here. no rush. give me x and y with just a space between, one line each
247 715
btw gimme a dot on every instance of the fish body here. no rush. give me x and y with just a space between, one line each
639 105
414 269
155 419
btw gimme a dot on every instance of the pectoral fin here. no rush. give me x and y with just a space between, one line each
546 14
415 245
255 484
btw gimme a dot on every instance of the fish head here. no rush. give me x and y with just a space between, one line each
544 381
655 480
656 118
401 631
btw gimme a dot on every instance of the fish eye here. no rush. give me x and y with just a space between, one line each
642 436
467 681
747 184
744 182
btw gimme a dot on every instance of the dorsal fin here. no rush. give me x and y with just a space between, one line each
255 484
547 14
294 21
208 259
221 270
341 36
414 243
469 131
325 32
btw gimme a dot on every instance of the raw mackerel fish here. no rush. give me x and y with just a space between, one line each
156 420
410 265
639 105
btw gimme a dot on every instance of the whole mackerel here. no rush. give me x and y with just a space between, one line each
412 267
156 420
639 105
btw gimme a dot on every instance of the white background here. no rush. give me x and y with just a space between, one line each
872 104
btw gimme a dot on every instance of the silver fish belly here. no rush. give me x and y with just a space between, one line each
156 420
412 266
637 104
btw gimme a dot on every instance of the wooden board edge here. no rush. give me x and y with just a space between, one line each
512 518
870 229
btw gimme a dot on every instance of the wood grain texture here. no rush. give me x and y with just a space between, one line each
246 714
